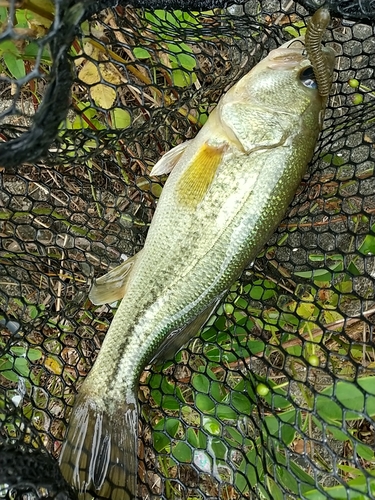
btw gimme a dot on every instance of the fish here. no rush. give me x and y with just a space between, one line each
226 193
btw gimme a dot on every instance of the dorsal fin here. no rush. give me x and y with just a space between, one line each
197 177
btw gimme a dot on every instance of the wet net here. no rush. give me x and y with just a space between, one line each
275 398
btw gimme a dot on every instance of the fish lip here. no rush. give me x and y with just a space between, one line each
287 58
288 55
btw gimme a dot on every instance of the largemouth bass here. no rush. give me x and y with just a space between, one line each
227 191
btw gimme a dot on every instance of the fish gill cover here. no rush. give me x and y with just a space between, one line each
276 396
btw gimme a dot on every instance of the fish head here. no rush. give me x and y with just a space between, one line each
284 81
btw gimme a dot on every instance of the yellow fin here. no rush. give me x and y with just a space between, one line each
112 286
199 174
169 160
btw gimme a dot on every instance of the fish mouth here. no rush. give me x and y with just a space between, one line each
287 58
288 55
293 53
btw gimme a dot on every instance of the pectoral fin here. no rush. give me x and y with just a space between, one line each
198 175
169 160
112 286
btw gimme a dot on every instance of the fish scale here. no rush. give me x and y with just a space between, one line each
228 190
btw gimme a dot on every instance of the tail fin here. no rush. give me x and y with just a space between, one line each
99 454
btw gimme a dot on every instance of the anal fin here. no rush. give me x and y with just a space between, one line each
178 338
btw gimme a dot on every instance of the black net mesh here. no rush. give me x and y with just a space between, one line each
275 397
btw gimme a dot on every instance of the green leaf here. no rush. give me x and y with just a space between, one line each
225 412
328 410
186 61
256 292
169 403
15 65
120 118
275 399
35 312
162 20
154 381
274 489
219 448
201 383
353 269
18 350
6 363
3 15
281 422
212 353
160 441
256 346
141 53
182 56
365 452
349 397
157 396
317 257
217 391
242 403
292 31
291 476
368 385
182 452
336 160
368 245
8 46
34 354
171 426
316 274
182 78
10 375
21 16
354 472
357 489
248 473
204 403
196 438
166 386
185 19
32 50
21 366
236 438
344 286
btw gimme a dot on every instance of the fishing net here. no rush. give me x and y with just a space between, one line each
275 398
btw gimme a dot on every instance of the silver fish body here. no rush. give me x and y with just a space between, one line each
228 190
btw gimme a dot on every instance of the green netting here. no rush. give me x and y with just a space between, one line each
275 398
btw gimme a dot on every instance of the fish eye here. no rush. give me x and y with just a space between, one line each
307 78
